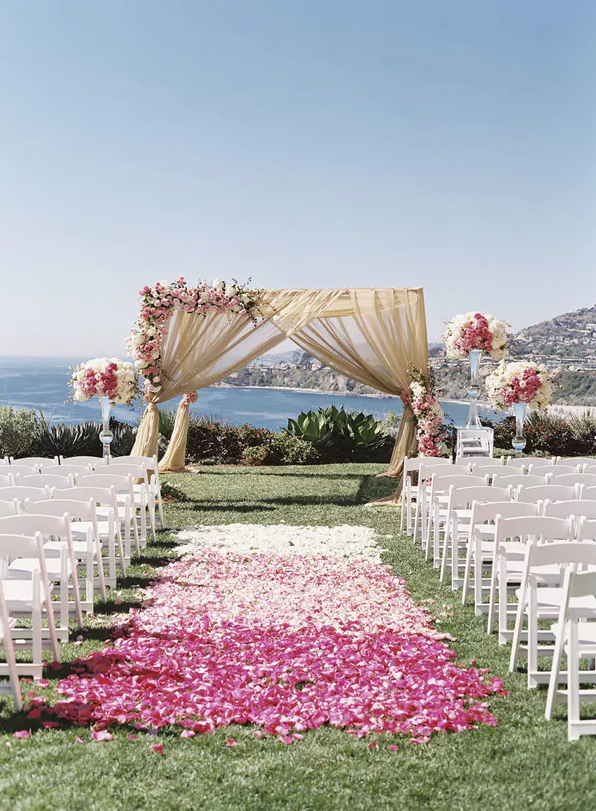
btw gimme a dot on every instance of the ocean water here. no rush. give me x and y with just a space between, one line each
42 384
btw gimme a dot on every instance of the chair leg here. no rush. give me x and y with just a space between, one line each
532 639
492 599
553 684
160 505
572 682
519 619
502 600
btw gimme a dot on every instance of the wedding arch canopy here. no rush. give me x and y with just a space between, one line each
371 335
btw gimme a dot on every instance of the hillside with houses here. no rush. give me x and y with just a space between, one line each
566 345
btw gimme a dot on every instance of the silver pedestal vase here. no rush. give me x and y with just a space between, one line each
106 436
519 440
473 420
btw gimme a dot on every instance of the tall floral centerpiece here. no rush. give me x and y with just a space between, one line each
468 336
430 432
112 381
518 385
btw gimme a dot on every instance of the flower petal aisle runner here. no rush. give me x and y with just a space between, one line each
287 628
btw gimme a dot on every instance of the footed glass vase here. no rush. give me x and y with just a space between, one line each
106 435
519 441
473 420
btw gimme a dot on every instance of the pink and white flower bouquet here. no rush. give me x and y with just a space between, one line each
160 301
519 382
105 377
476 331
430 432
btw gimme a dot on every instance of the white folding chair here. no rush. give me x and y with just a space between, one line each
575 638
4 460
539 604
422 515
8 480
439 507
143 493
46 480
39 462
575 460
22 470
509 562
409 490
125 502
61 562
22 492
586 479
565 509
8 668
25 598
525 461
69 470
459 514
152 468
8 507
86 542
557 470
552 492
85 461
481 543
504 480
107 522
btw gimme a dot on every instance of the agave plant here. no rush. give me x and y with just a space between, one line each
339 435
67 440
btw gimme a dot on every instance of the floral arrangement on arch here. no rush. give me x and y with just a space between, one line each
430 432
105 377
160 301
476 331
519 382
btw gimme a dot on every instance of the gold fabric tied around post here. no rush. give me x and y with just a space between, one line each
371 335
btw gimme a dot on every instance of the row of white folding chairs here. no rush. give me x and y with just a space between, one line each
493 467
54 466
146 492
554 578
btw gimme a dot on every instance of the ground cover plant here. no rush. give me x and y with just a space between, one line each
522 762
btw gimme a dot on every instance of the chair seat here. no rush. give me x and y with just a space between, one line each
80 528
18 593
25 566
586 634
52 548
549 597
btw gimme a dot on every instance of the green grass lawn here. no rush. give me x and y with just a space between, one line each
524 762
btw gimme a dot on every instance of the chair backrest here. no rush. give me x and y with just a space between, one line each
46 479
21 493
482 512
553 492
35 461
25 524
564 509
77 510
576 460
4 461
540 527
463 496
103 496
555 470
18 546
587 479
503 480
441 483
9 507
526 461
487 470
7 481
137 471
69 470
426 470
81 460
24 470
121 482
589 494
561 553
150 462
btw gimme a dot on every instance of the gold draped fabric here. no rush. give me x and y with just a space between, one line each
369 335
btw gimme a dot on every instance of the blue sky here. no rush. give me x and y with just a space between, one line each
319 143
